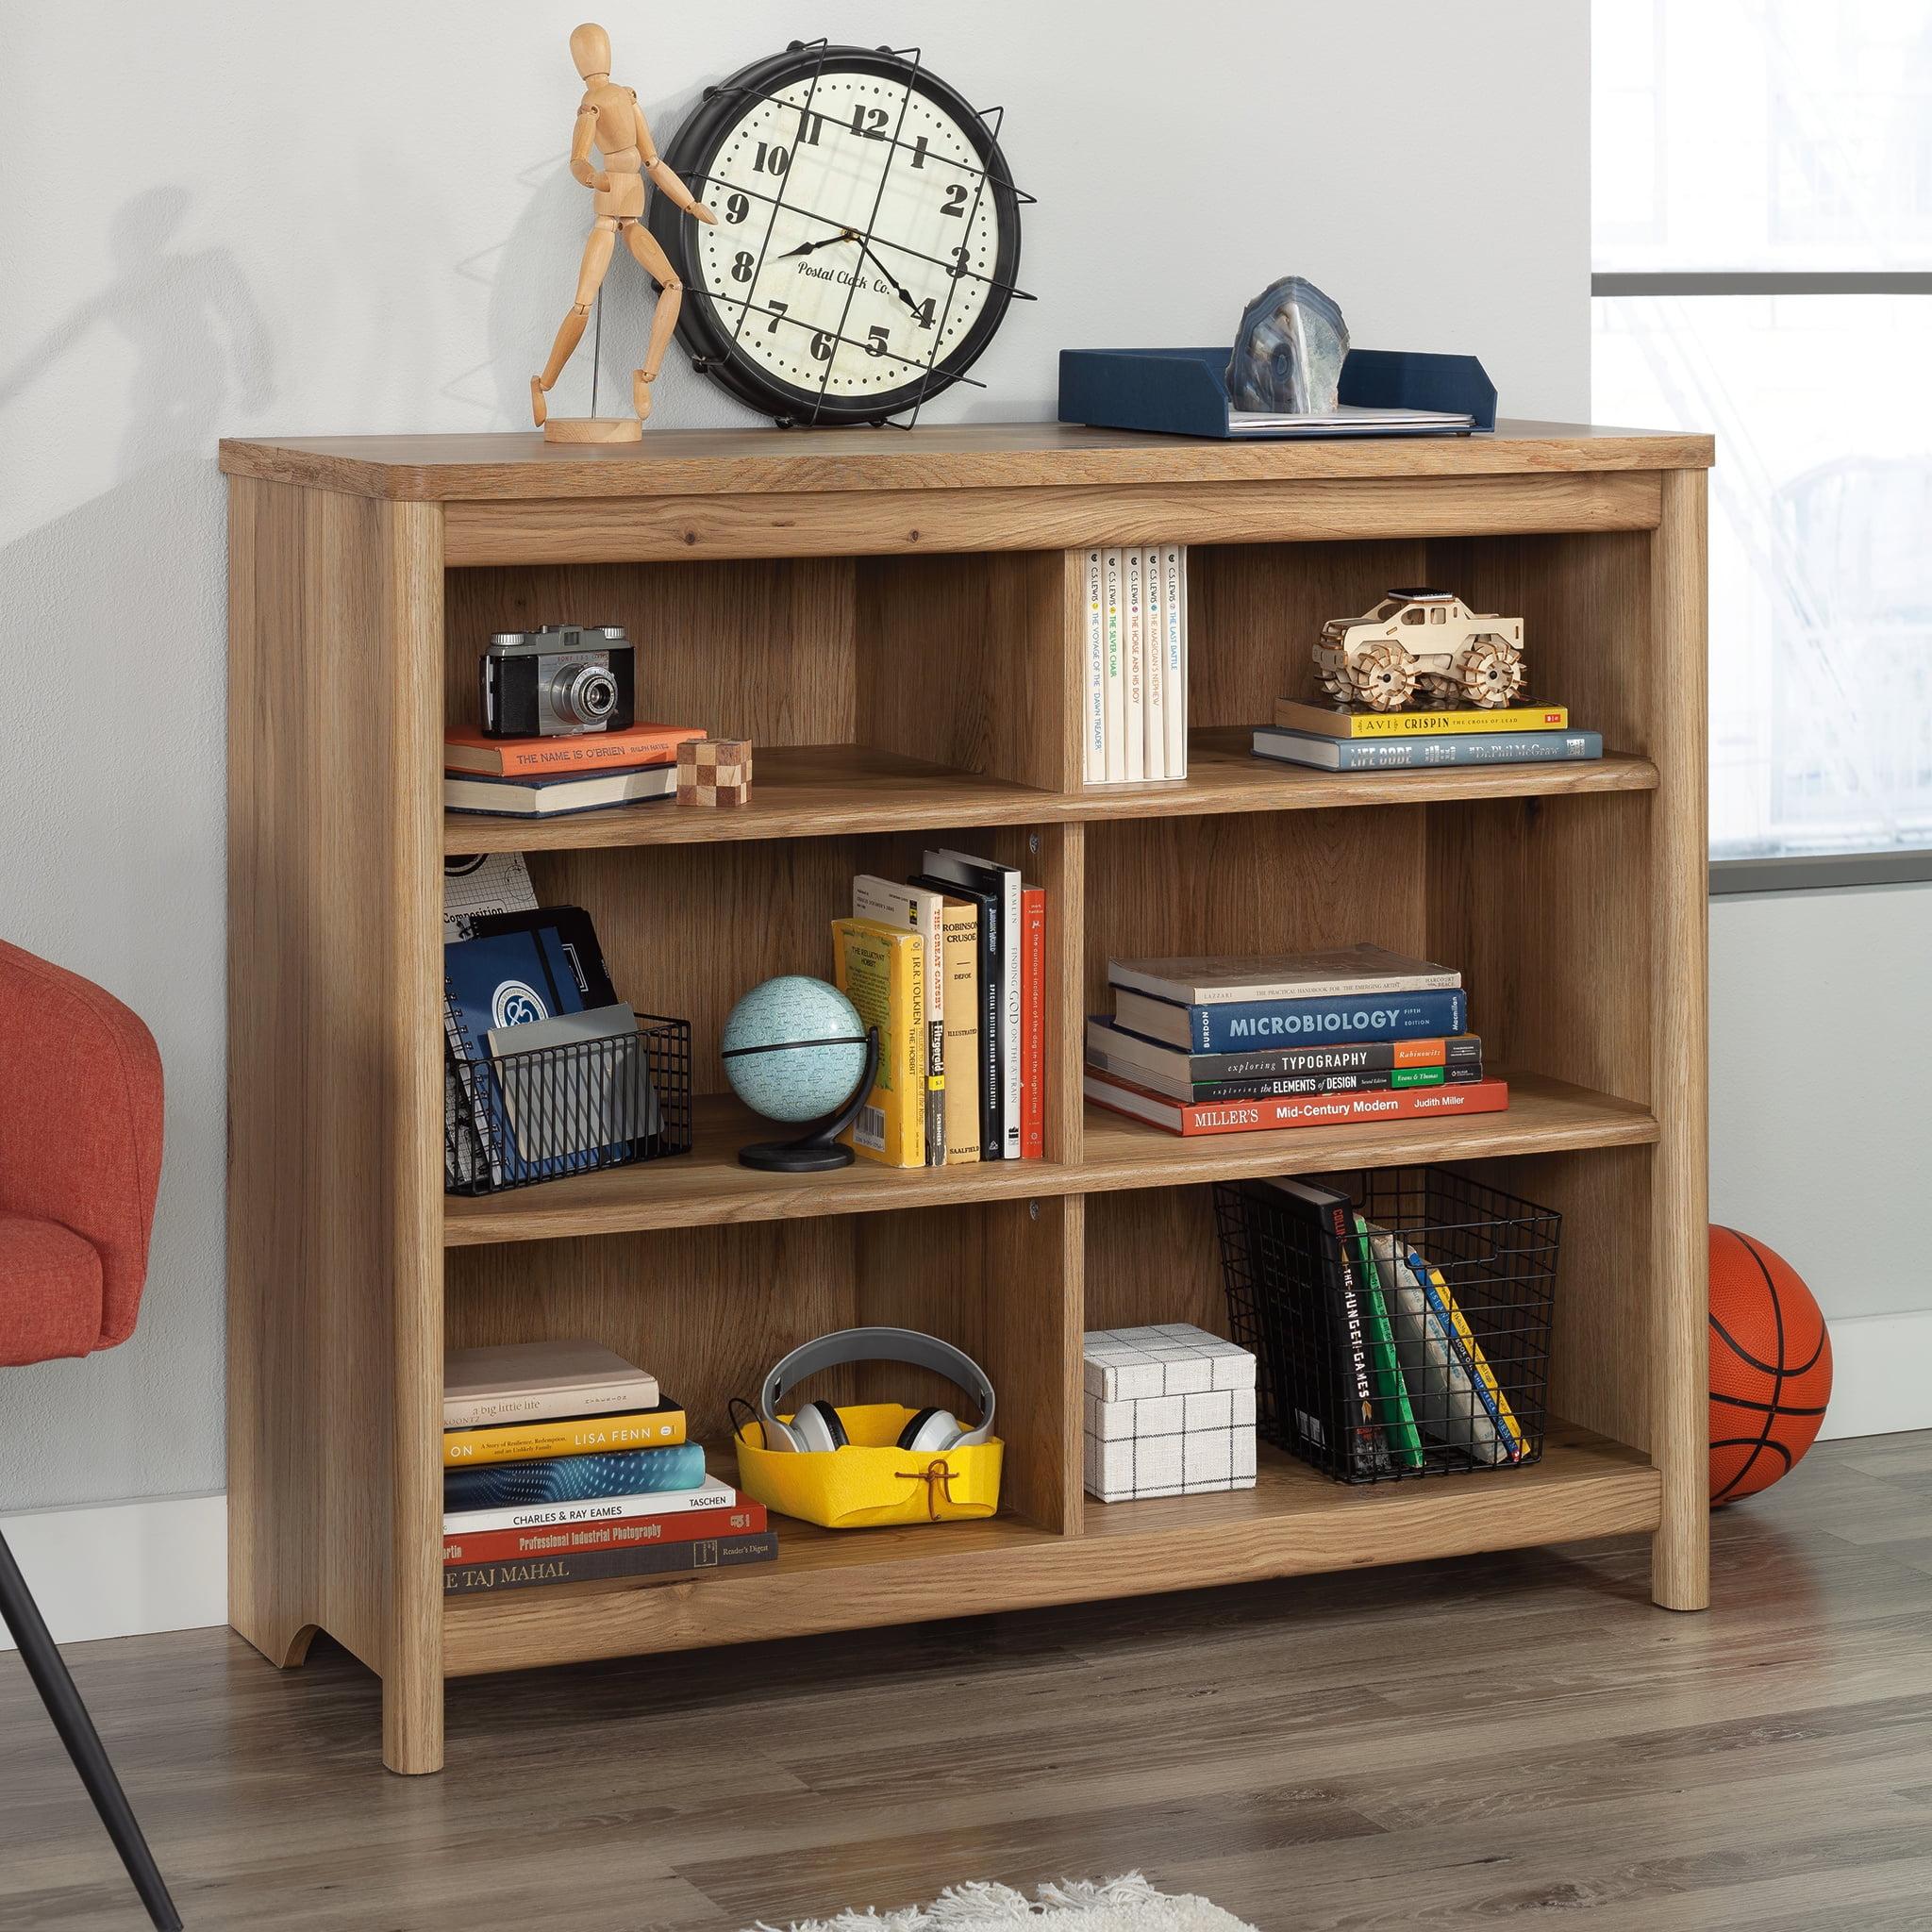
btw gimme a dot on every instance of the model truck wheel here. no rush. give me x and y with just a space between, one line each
1384 677
1492 671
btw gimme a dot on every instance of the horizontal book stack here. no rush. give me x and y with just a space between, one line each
1221 1045
1345 738
563 1462
1135 706
547 777
950 965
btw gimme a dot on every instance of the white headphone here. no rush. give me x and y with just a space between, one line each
817 1426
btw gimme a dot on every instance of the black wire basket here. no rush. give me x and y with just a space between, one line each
513 1119
1399 1317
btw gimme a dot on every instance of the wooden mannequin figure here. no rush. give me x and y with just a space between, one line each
610 117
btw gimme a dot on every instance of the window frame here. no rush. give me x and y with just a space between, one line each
1821 872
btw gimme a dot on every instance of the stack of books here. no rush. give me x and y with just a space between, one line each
1236 1046
1135 707
546 778
951 967
563 1462
1346 738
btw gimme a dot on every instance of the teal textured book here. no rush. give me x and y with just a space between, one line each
572 1478
1408 754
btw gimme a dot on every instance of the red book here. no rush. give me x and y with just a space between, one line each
743 1518
466 749
1032 1023
1297 1110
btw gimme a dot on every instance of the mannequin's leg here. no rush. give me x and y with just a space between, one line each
597 250
657 264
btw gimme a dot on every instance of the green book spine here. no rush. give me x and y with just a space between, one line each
1385 1371
1415 1077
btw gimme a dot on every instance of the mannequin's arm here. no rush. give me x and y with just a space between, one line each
666 180
580 139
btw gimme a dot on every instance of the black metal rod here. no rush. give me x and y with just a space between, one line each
47 1668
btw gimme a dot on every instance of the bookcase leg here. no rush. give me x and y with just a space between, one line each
412 1722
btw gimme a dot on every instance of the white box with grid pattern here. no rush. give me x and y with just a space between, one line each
1165 1411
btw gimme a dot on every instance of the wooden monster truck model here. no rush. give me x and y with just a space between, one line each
1424 638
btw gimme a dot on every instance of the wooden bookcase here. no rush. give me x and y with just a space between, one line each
895 620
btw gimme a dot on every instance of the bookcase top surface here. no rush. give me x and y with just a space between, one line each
511 466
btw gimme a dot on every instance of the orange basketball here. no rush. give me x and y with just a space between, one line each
1769 1366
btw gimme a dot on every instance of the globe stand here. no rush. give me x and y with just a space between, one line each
817 1150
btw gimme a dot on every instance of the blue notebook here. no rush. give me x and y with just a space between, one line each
517 968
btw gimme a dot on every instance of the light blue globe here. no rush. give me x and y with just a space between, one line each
793 1048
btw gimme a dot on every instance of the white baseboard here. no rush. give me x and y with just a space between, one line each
161 1563
124 1569
1881 1375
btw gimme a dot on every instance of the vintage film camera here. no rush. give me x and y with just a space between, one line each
561 679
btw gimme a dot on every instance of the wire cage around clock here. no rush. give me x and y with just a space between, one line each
716 344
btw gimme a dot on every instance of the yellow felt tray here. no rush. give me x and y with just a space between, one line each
872 1481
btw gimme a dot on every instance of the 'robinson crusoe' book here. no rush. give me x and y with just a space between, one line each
530 1381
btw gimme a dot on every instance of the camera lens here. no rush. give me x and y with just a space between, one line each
586 692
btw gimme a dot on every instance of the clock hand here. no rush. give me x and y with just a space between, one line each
903 294
811 247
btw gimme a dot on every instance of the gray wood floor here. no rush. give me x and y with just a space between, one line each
1518 1739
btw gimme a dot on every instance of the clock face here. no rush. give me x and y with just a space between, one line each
867 236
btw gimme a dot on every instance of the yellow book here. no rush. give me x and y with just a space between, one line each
959 940
578 1435
882 971
1510 1428
1342 721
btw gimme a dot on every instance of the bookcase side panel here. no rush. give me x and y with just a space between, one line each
335 1085
1679 1022
969 661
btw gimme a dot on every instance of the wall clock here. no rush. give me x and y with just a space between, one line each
868 234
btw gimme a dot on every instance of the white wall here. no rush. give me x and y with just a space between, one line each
1821 1058
221 217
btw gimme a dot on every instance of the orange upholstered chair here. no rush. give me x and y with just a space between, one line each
80 1158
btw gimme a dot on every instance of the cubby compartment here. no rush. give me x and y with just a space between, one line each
874 688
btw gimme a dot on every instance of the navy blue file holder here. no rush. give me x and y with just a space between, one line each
1184 391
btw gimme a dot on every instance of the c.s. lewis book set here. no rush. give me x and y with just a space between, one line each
1224 1045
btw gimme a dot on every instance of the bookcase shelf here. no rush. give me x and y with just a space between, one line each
897 624
1294 1521
821 790
709 1188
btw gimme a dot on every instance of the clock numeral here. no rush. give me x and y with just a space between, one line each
740 266
958 271
919 152
737 209
955 203
774 160
880 339
924 314
869 122
777 310
809 127
821 346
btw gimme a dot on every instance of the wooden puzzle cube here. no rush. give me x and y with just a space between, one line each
714 770
1166 1411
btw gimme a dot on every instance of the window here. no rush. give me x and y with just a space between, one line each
1763 246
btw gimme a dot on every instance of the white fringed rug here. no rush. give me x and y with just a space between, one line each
1116 1904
